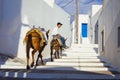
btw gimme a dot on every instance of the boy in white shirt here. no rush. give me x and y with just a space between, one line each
55 33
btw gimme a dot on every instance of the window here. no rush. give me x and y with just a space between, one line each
118 36
102 40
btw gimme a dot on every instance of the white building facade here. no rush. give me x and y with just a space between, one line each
82 30
109 31
94 15
18 16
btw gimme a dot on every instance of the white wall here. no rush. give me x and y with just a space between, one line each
18 15
95 9
11 26
109 22
82 19
73 32
50 2
93 22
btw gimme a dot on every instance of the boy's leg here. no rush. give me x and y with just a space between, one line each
63 42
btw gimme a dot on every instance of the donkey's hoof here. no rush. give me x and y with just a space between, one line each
60 57
37 64
32 64
42 63
28 67
52 60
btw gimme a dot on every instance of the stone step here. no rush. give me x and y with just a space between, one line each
74 68
74 64
60 67
82 54
77 60
12 67
10 63
82 51
80 57
66 61
84 46
70 57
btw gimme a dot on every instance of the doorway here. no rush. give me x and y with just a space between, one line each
84 30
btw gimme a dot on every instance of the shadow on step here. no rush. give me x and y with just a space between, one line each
111 70
58 73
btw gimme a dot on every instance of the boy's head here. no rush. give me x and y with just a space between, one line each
59 25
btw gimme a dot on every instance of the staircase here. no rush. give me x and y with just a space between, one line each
78 62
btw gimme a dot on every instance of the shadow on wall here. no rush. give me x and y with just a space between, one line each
96 33
11 27
96 50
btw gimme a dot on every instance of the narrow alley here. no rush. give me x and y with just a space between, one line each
88 32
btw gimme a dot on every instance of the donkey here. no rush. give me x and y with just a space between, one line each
56 46
36 40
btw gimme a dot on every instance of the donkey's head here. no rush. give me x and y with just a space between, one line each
46 33
54 43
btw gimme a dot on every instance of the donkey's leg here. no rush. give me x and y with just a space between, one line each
60 51
28 67
55 54
42 62
51 48
27 56
33 53
37 59
40 56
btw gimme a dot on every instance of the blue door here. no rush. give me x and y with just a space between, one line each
84 30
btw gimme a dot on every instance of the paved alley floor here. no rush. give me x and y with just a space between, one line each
77 63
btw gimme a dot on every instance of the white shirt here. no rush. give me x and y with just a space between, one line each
55 31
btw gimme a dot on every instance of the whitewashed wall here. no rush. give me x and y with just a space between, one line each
18 15
11 26
93 22
82 19
73 32
109 22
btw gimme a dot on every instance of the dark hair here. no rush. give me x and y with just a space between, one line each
59 23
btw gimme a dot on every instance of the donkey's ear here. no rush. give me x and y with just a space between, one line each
47 34
56 39
48 31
